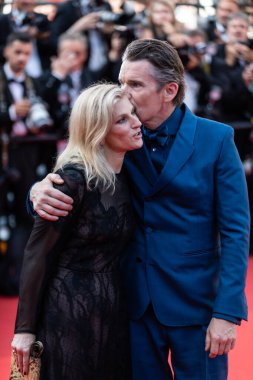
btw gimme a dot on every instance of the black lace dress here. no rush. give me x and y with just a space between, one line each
70 290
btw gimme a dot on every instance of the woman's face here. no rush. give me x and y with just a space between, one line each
125 133
161 14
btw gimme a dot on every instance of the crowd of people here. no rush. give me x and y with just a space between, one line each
47 61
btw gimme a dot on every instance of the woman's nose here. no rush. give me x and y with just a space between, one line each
136 122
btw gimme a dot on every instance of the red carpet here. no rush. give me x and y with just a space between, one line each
240 359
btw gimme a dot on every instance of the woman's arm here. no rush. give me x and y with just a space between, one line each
40 254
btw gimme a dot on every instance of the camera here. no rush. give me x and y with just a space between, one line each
36 20
38 117
199 48
186 51
127 15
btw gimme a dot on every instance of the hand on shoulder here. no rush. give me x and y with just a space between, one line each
48 202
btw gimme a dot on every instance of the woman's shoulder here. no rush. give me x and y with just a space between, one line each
73 176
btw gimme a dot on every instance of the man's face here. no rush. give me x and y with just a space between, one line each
17 55
224 9
161 14
75 51
249 12
25 5
137 80
237 30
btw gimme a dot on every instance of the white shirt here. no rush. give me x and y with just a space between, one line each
17 91
191 93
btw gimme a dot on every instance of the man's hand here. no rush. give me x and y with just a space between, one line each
220 337
22 107
21 345
84 23
48 202
247 75
64 63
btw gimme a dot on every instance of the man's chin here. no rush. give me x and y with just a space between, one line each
20 68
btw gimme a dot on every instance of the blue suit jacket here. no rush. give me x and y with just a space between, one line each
190 250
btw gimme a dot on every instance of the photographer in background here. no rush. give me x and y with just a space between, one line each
191 46
161 21
23 19
23 120
68 76
83 16
118 43
216 26
229 67
232 77
97 21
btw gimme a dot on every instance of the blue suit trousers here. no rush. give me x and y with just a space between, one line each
152 343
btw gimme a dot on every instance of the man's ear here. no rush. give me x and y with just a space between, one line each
170 90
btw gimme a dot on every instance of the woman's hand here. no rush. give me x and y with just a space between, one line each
21 345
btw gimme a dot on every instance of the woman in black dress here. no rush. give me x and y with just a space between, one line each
70 290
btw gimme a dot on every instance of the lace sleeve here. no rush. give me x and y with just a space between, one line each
41 251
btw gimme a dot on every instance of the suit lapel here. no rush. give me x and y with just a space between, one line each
138 162
181 150
5 88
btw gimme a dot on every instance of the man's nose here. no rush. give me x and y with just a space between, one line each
125 88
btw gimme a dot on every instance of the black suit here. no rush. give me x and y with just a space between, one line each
212 30
45 49
67 14
235 107
26 154
236 101
60 104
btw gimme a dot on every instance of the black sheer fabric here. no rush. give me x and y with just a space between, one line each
70 291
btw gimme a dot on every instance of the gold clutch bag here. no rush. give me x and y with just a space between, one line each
34 364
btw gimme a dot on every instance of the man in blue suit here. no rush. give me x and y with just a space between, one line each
186 266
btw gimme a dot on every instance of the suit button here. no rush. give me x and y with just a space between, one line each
149 230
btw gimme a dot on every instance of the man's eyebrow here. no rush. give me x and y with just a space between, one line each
131 81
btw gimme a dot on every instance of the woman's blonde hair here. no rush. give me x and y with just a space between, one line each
90 120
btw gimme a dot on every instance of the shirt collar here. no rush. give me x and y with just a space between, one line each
18 17
167 130
170 125
173 122
11 75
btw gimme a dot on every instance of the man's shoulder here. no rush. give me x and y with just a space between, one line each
207 126
5 25
213 131
213 125
5 17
